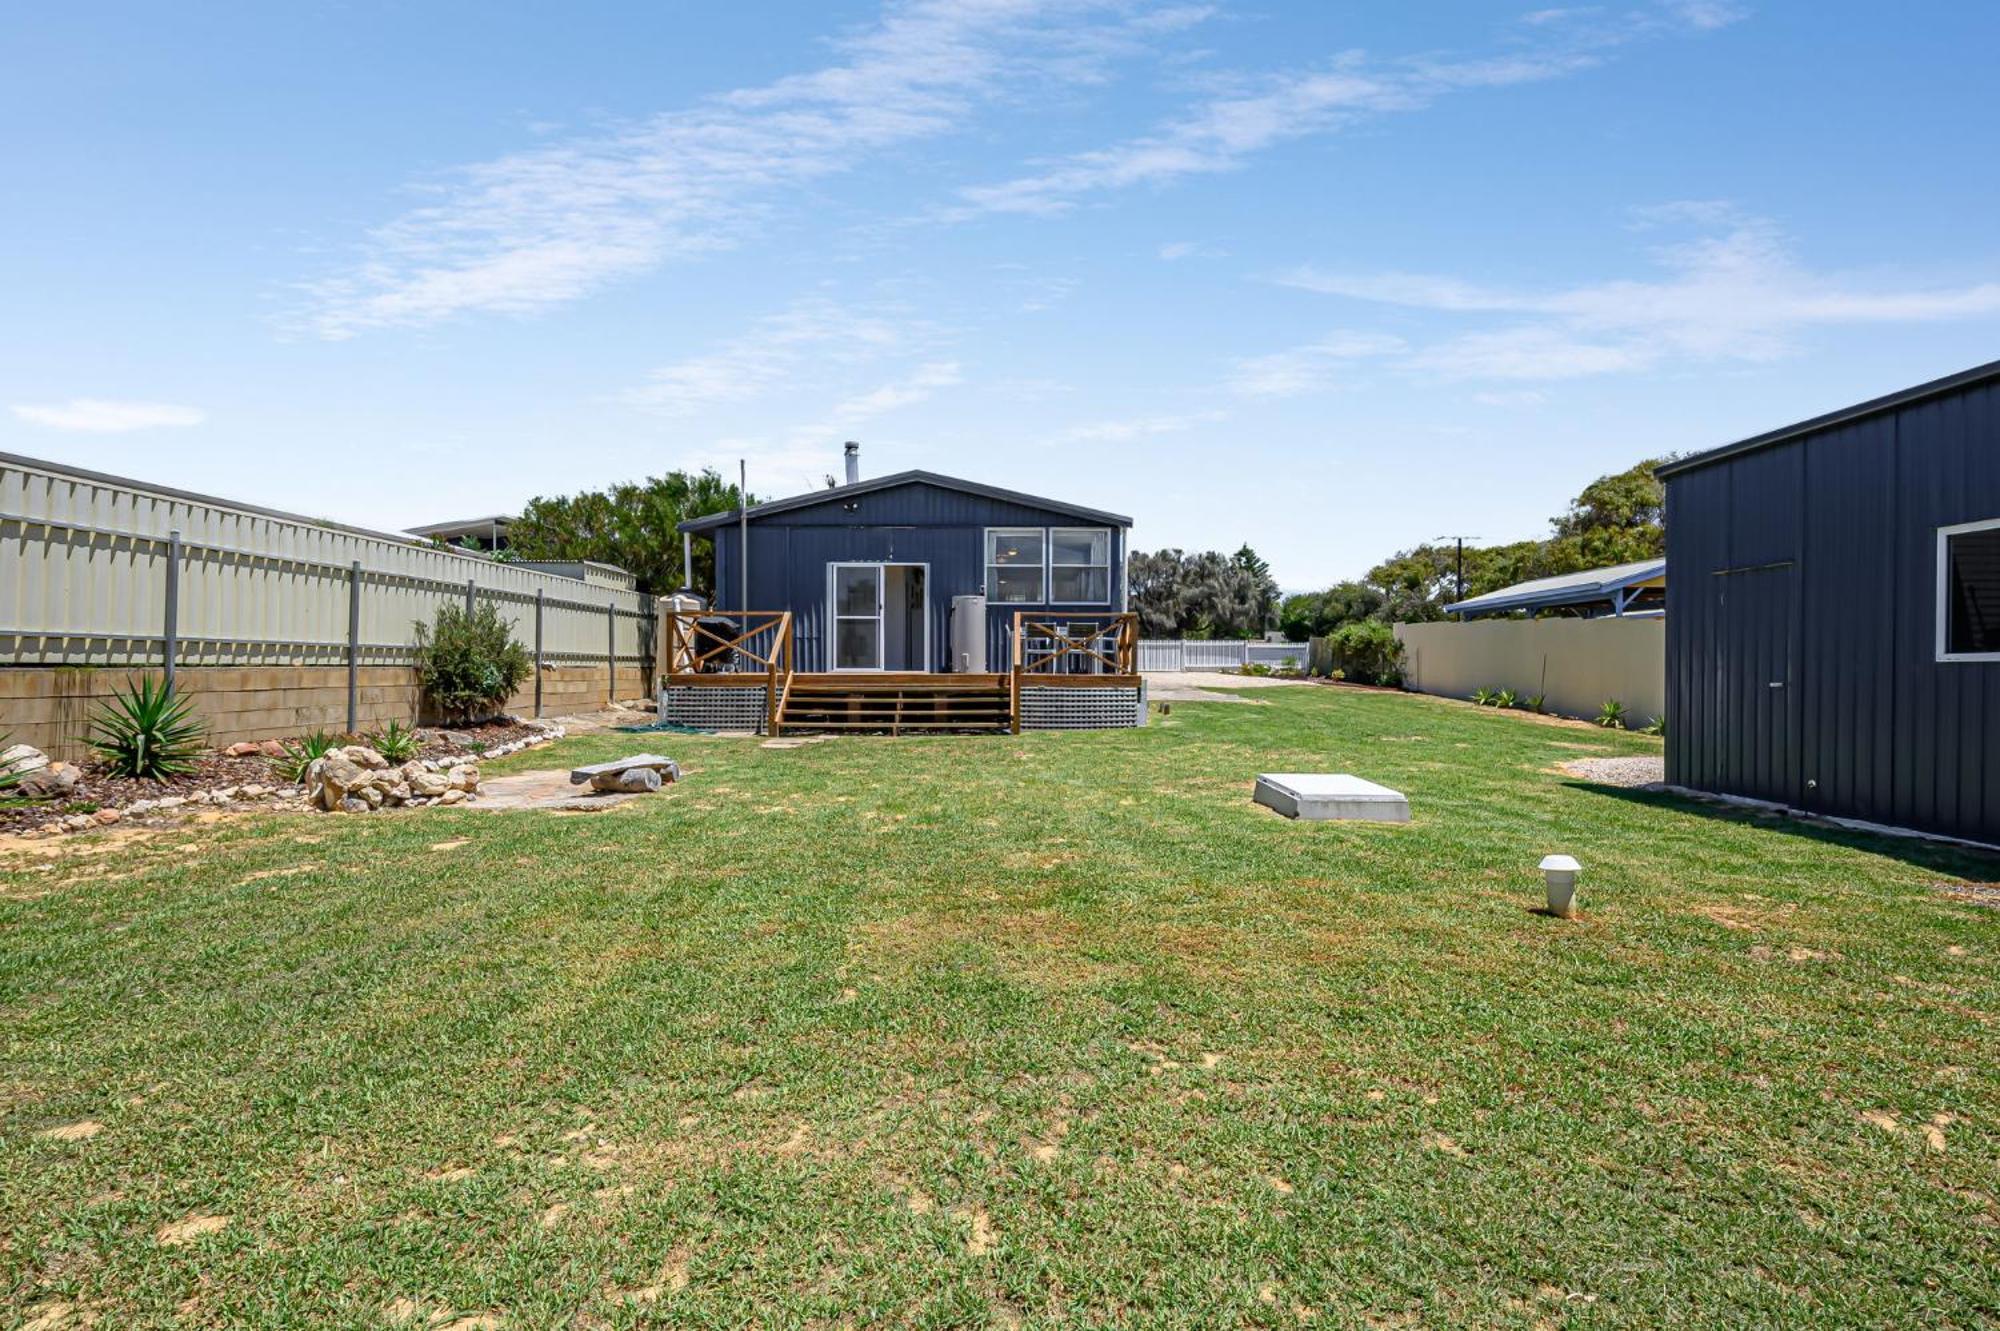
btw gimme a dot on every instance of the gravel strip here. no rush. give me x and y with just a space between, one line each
1640 771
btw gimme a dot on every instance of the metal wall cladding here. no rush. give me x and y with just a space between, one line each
83 564
907 524
1813 564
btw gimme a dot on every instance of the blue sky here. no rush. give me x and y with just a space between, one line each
1329 278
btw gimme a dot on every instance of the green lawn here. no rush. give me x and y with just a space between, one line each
1048 1030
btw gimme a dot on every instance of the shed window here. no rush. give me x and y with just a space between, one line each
1080 565
1969 592
1014 565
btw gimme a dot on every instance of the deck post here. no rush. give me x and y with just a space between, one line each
1014 680
611 653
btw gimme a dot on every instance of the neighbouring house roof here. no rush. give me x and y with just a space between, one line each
1567 589
444 531
842 492
1873 407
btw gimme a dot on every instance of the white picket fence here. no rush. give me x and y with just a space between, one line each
1165 654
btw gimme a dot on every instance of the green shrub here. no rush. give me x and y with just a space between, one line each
1505 699
1485 697
1656 726
1255 668
469 663
1612 715
147 731
1537 703
395 741
301 753
1366 651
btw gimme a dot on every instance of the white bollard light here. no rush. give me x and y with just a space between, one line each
1559 872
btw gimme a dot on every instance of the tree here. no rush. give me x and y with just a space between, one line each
1205 595
633 525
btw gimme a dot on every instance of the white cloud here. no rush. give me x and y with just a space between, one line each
773 352
1737 293
1262 112
917 386
98 416
1141 427
1309 368
528 230
1178 249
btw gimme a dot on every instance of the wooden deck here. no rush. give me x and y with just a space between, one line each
1067 652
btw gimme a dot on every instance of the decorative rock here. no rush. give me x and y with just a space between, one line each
105 817
465 778
398 793
169 802
349 804
248 748
363 756
429 785
338 776
631 781
23 758
453 796
272 748
50 781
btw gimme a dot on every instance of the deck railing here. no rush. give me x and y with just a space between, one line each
707 644
1053 645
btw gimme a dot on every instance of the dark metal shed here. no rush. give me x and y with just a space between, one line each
931 538
1833 622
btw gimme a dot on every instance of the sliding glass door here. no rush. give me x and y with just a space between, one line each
857 616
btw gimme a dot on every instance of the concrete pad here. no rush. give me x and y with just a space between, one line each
1323 796
1199 685
668 769
539 790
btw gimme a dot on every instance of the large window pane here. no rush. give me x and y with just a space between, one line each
1014 586
1014 547
855 644
1090 585
1080 547
1972 592
854 590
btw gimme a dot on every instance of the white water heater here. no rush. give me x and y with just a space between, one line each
968 635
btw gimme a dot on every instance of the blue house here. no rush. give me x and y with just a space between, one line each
911 602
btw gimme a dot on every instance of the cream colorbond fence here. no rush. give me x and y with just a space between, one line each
1578 664
100 571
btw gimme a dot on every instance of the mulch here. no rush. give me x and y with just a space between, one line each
101 790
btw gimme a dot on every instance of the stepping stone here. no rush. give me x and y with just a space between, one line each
668 769
1326 797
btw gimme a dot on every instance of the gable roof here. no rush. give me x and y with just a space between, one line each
1978 374
1583 588
842 492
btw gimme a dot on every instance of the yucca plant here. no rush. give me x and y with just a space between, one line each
147 731
1484 697
1506 698
1656 726
1612 715
302 753
395 741
1537 703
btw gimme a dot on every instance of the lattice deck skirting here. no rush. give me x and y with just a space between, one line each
1082 709
715 708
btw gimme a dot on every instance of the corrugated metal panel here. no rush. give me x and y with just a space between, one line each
87 558
914 524
1880 729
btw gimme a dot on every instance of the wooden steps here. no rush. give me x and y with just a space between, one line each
895 703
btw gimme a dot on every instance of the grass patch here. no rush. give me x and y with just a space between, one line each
1052 1029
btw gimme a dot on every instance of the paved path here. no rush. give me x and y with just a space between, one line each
1195 685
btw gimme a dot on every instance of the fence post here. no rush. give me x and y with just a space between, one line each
611 652
471 593
1246 651
353 647
170 631
540 595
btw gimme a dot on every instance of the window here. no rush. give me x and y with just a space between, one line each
1014 565
1080 566
1969 592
